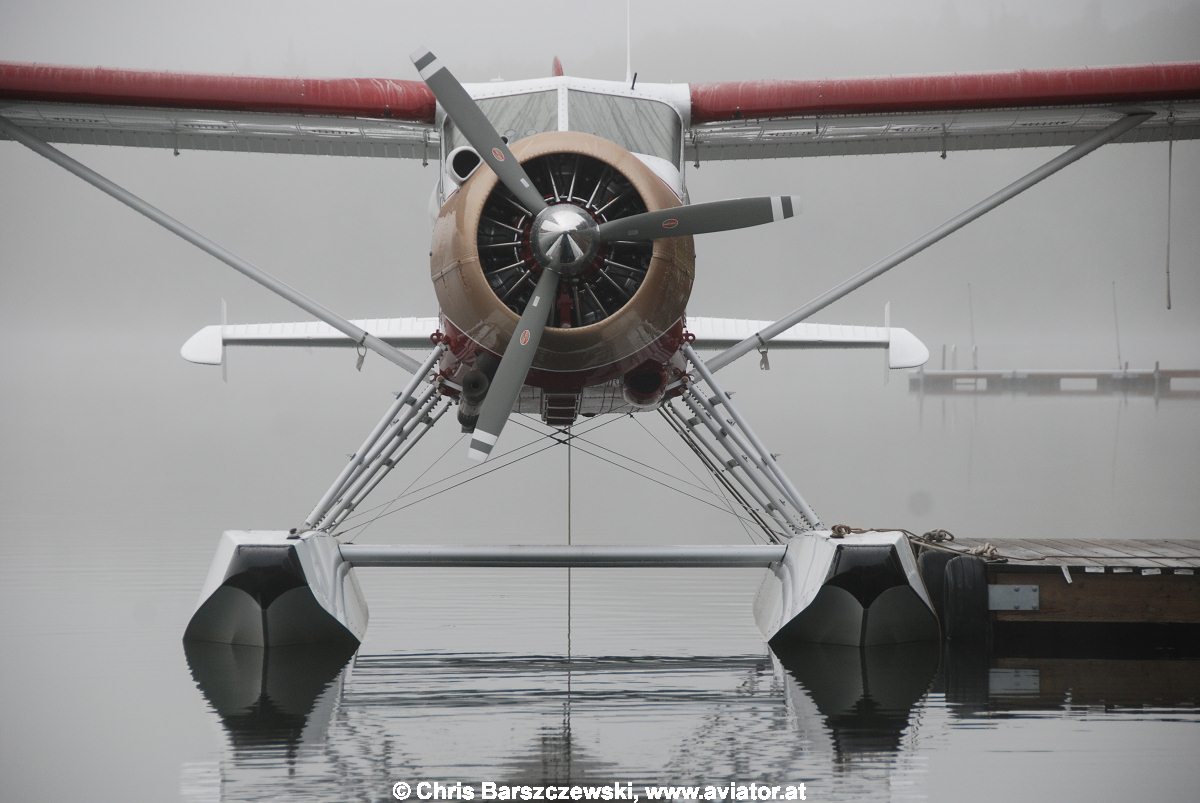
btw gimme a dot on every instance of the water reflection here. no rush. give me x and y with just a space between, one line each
555 757
303 724
277 698
864 697
1069 684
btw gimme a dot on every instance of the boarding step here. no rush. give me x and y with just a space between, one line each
560 409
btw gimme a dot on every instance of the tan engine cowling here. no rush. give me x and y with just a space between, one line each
625 309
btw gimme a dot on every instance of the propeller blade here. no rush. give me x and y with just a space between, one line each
514 366
738 213
477 129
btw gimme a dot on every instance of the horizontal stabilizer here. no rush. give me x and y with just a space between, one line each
905 350
207 347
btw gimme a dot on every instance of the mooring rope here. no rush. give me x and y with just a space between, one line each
939 540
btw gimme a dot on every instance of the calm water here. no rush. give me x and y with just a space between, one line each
111 510
468 675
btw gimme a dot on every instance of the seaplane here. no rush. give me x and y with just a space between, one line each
563 258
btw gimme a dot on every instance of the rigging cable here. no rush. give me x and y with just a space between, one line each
397 498
697 485
468 469
704 458
639 474
658 482
720 488
471 479
721 480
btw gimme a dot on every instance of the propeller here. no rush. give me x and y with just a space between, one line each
514 365
738 213
564 240
477 130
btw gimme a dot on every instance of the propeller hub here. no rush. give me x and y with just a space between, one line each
564 238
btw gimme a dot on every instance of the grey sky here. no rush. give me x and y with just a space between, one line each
103 418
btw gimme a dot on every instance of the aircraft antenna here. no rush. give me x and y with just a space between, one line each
628 47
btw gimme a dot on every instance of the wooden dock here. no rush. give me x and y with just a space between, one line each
1074 591
1161 383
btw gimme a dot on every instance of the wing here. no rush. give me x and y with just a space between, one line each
344 117
729 120
905 350
903 114
207 347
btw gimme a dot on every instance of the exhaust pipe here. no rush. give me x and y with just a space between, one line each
475 384
643 387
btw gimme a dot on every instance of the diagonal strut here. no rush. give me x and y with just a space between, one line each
1070 156
309 305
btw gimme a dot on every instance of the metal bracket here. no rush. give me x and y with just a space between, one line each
764 362
1013 598
361 349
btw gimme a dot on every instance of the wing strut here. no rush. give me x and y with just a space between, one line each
1076 153
389 430
312 307
734 433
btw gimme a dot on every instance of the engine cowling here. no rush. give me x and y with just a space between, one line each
623 309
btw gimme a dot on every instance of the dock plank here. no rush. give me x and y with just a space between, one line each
1095 553
1067 553
1125 552
1191 548
1167 549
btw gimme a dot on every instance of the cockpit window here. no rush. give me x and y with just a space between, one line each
513 116
636 124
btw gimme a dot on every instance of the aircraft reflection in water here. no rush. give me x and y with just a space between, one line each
279 700
845 720
862 699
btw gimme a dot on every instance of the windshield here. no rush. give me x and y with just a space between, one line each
514 117
636 124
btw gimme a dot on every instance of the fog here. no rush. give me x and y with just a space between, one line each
106 427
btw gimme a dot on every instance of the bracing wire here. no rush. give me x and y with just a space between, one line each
468 469
717 474
559 437
720 486
581 439
699 499
697 486
553 436
387 505
449 488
